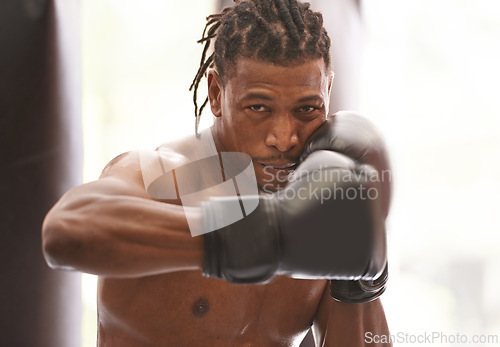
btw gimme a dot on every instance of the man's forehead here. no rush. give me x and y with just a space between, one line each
307 73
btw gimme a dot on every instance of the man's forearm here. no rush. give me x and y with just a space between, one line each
121 236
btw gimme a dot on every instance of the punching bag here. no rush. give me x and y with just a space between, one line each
41 158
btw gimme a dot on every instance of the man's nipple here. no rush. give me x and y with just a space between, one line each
200 307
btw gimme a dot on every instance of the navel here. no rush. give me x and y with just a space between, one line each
200 307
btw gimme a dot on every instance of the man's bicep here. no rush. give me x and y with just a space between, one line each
342 324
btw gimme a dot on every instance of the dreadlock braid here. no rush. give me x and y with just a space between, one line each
281 32
286 16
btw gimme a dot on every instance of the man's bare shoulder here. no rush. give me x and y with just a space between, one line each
123 162
191 147
133 172
129 163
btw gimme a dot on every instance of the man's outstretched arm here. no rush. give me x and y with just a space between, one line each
111 227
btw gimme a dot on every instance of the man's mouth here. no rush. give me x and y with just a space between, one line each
279 168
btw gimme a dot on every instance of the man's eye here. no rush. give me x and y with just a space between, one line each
307 109
258 108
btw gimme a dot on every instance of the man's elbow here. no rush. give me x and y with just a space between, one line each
60 244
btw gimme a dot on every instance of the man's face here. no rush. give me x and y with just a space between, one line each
269 112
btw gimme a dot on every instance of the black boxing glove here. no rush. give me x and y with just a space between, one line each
353 135
322 225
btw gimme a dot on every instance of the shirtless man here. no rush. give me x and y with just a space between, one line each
268 87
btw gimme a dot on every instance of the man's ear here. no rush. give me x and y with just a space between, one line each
329 99
214 92
330 84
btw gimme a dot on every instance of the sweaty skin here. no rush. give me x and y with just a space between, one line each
150 289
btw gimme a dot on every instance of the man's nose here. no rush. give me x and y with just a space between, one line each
283 132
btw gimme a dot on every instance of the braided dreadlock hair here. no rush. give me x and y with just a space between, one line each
281 32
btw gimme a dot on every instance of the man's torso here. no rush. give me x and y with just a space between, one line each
185 308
